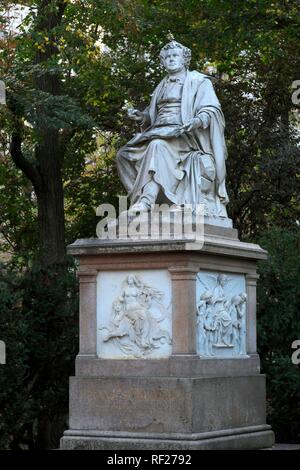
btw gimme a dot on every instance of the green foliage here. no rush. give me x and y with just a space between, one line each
106 55
89 182
18 221
278 327
39 324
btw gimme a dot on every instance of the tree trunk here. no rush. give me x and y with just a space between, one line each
48 153
50 199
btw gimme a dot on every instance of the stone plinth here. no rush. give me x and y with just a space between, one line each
167 356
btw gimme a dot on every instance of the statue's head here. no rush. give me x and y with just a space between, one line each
130 280
117 305
207 296
174 56
222 279
236 300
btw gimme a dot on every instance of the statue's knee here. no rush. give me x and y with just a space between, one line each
156 143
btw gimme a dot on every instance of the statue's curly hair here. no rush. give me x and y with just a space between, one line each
186 52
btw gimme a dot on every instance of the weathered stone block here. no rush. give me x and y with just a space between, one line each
182 397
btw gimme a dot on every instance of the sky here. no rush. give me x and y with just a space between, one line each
15 16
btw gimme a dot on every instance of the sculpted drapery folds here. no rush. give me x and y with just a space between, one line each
179 155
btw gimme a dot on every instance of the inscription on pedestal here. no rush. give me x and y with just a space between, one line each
221 314
134 314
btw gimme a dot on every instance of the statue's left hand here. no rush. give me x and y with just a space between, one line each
135 115
194 123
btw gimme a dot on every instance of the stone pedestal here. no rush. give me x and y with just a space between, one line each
155 369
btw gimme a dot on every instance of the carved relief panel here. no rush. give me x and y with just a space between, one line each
134 314
221 314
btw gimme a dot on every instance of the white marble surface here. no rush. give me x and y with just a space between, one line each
221 314
179 154
134 314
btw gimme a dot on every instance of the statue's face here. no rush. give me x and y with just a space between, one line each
222 280
174 60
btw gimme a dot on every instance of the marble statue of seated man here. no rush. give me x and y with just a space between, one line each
179 155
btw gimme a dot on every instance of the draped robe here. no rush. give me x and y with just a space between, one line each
174 162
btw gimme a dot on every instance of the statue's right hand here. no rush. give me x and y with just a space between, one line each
135 115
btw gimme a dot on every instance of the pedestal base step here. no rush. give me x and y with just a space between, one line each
254 437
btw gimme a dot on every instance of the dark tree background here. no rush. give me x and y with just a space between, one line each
70 72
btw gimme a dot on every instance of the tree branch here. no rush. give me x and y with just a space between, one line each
20 161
